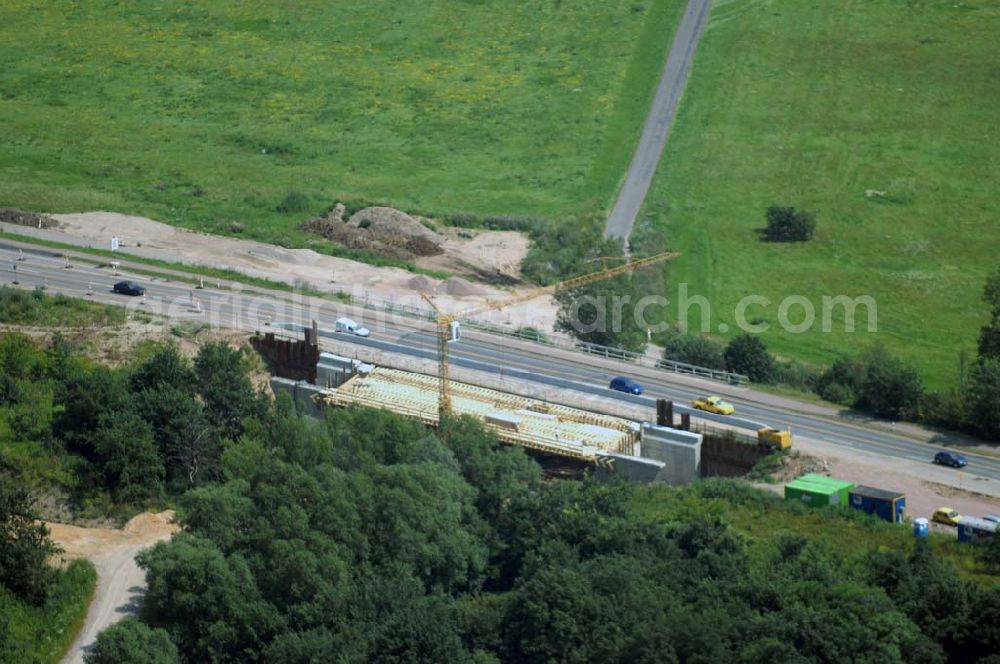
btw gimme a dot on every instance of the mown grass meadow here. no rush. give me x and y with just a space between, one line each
211 113
813 105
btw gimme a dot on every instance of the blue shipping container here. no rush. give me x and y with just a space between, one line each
971 529
887 505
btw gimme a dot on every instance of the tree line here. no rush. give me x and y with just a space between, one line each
361 537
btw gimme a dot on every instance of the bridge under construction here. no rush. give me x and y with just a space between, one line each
534 424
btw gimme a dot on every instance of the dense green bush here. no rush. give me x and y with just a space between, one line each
694 349
294 202
841 382
984 397
786 224
133 642
748 355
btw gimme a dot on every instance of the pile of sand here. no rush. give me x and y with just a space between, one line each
390 222
421 284
384 231
492 256
148 523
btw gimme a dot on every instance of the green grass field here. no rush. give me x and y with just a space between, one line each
200 115
811 104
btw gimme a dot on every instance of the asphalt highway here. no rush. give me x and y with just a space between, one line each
250 309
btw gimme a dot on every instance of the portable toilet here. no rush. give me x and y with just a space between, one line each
818 490
920 527
887 505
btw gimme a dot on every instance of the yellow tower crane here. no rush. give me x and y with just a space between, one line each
447 324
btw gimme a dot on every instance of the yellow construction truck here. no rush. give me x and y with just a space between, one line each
775 439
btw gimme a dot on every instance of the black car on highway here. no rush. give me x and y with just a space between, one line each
948 458
129 288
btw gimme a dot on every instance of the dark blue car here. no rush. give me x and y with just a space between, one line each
128 288
623 384
953 459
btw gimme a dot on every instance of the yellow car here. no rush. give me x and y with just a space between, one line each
714 405
947 516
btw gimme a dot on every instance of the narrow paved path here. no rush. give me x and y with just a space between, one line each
661 114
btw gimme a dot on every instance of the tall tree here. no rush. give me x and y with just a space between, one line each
984 397
164 368
209 604
89 397
131 464
606 312
989 336
190 447
224 384
603 313
25 546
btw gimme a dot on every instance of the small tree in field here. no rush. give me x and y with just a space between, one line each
786 224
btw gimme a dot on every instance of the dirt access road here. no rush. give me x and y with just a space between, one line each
661 114
120 582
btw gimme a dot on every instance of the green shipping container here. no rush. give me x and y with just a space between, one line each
818 490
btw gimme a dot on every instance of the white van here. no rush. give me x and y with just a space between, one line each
349 326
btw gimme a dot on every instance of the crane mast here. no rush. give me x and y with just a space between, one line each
445 320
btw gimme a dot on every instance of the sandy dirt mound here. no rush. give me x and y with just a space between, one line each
421 284
461 287
388 222
797 464
382 230
22 218
492 256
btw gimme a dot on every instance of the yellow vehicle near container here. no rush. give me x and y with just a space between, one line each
778 440
714 404
947 516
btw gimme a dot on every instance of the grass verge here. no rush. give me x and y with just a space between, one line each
21 307
43 634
